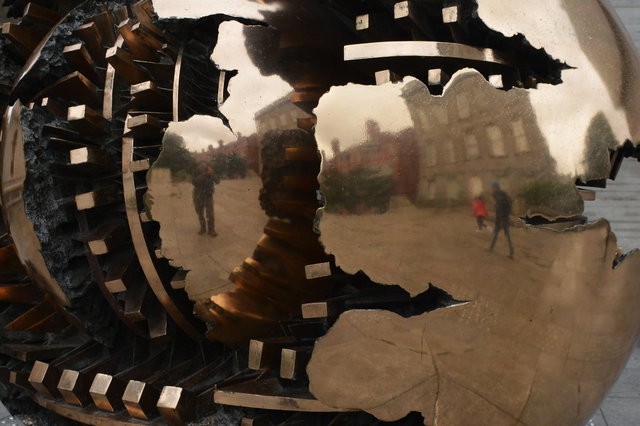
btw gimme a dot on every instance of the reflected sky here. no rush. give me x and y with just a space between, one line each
250 9
200 131
249 91
383 104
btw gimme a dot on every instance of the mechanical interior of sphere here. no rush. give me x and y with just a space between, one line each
301 212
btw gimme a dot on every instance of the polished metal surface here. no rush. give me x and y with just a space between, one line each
425 49
545 316
382 200
546 309
206 201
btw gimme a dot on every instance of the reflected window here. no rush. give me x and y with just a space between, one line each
520 136
449 151
496 141
424 119
430 154
475 186
471 151
453 190
431 190
463 106
442 116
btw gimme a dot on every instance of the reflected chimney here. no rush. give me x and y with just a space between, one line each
335 147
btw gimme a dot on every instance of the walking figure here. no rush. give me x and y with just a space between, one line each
503 210
203 182
479 211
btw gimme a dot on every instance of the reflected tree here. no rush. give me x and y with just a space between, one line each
176 157
361 190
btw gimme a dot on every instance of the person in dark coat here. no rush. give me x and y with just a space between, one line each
503 210
204 180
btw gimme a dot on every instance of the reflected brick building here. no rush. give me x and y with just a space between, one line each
390 154
472 136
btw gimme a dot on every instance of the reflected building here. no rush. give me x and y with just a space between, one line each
388 154
282 114
474 136
246 147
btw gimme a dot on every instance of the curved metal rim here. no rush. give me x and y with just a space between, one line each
422 49
140 244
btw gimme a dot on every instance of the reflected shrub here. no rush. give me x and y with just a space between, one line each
360 190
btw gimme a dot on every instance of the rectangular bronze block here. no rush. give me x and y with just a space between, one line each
139 50
122 61
157 321
120 273
140 400
41 317
144 12
260 421
97 198
104 22
90 34
74 387
437 77
321 309
35 13
144 126
18 378
147 95
265 353
451 14
176 405
24 38
147 37
496 80
362 22
88 156
54 107
87 121
106 239
140 165
79 58
134 301
179 279
75 87
294 362
44 379
387 76
317 270
106 392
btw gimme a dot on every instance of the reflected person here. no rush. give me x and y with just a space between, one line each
503 210
479 211
204 180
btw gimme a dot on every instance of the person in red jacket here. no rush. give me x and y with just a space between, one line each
480 211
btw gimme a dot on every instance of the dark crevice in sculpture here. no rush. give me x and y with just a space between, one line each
563 221
357 291
48 196
622 257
